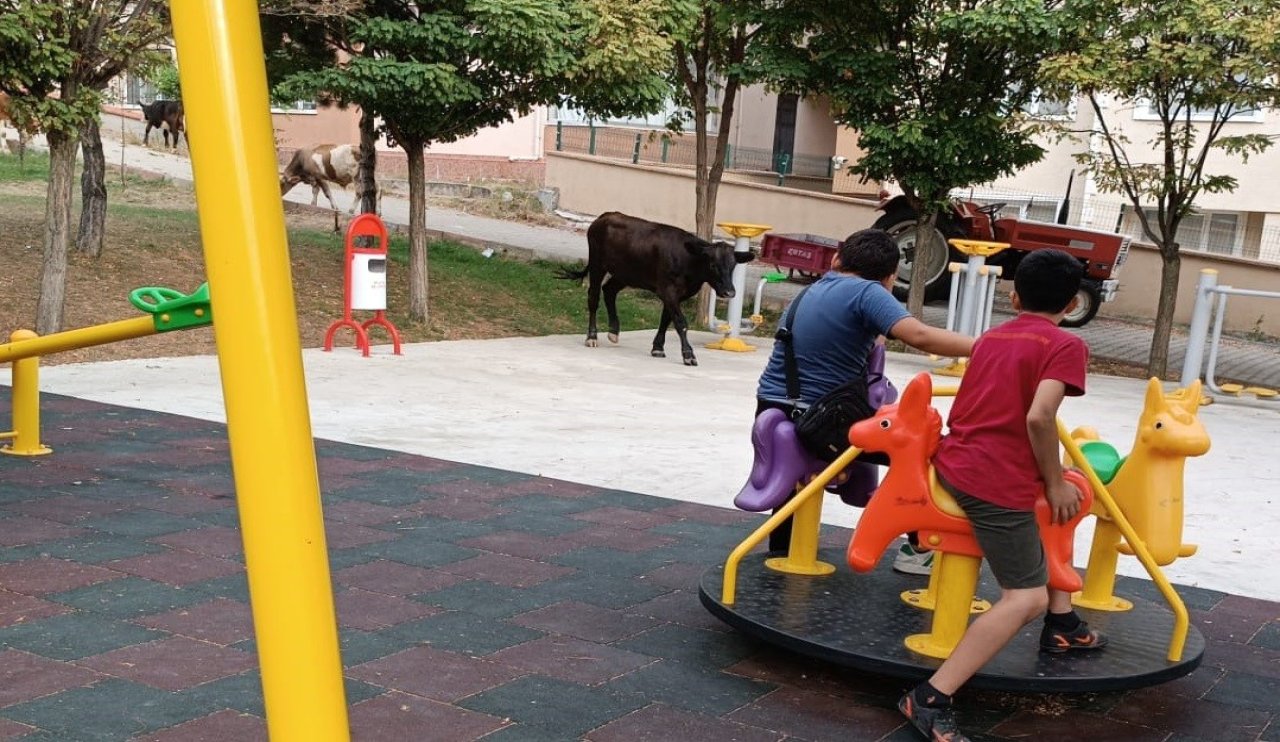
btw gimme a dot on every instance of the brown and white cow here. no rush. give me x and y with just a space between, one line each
321 165
624 251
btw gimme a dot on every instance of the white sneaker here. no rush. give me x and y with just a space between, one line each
912 562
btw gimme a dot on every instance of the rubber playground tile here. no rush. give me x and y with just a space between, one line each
376 494
359 646
172 664
489 475
128 597
24 677
218 621
360 513
583 621
622 538
178 567
659 722
808 715
394 578
1268 637
455 508
711 649
602 590
400 716
22 530
683 608
463 488
44 576
703 514
64 508
231 587
542 503
1031 725
14 730
142 523
420 527
451 676
359 609
602 560
73 636
94 712
461 632
1198 598
689 687
678 576
1235 657
574 660
1248 691
631 500
212 540
219 726
349 536
619 517
17 608
566 709
486 599
93 548
507 571
419 550
518 544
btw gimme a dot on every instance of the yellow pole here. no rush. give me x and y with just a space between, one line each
956 584
1100 575
110 332
802 554
242 224
729 589
25 402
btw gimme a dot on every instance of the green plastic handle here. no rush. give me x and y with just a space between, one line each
174 310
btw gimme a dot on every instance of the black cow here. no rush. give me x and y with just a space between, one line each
624 251
165 115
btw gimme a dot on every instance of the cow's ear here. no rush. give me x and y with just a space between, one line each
743 257
695 245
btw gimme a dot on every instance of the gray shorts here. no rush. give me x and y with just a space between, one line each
1010 540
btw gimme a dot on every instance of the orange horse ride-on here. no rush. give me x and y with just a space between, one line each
910 499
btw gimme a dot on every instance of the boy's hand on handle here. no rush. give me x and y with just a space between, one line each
1064 500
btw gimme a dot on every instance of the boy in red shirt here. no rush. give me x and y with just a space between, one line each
1000 454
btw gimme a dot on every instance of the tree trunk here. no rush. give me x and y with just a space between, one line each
1158 363
924 243
417 231
57 231
93 191
368 185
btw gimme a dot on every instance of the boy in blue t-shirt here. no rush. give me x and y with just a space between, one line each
842 315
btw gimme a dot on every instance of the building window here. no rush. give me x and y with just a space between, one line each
1144 111
1022 206
1049 109
297 106
1218 232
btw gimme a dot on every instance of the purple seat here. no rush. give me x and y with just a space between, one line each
781 462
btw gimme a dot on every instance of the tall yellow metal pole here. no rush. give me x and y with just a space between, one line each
242 224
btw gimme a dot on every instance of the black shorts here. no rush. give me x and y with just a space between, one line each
1010 540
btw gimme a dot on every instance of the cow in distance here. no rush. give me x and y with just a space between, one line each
627 252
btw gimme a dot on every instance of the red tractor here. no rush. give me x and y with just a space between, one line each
1102 253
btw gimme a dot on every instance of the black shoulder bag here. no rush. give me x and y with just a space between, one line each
822 427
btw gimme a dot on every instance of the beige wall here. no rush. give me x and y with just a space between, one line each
592 186
327 125
520 139
753 119
1140 289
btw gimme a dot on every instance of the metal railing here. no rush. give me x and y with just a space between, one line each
1207 290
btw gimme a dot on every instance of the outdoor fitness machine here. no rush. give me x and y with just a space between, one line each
364 282
868 618
973 292
169 310
1201 314
734 325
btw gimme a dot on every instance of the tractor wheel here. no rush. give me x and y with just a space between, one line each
1089 300
901 225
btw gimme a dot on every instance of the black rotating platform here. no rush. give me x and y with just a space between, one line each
858 620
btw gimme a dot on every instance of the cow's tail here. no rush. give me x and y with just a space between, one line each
570 274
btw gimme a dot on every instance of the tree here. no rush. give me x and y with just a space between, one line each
712 54
1193 65
53 59
438 72
934 89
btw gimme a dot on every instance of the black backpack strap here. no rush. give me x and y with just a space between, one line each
789 358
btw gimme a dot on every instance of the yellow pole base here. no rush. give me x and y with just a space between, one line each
1113 603
37 451
925 601
735 345
799 567
955 368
